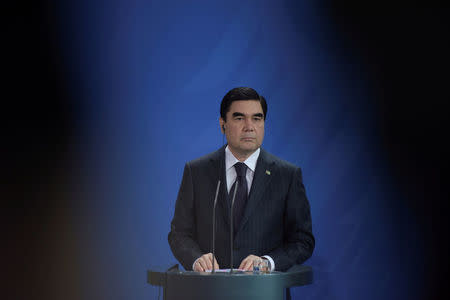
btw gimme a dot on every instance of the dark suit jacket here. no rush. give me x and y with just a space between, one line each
276 222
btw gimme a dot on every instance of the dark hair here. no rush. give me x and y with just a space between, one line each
241 93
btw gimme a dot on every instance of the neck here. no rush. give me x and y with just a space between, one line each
239 155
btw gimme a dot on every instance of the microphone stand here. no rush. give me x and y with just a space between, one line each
231 227
214 228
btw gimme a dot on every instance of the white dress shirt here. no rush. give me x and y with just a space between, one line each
250 162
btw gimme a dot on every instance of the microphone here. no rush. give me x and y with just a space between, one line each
214 227
231 227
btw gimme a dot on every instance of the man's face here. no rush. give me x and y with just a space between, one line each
244 127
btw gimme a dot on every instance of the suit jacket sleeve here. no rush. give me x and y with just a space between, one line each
182 234
298 242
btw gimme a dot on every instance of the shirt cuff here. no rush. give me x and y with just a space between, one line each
271 262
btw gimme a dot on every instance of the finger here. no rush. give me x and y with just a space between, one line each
243 263
248 264
202 264
241 266
198 267
208 259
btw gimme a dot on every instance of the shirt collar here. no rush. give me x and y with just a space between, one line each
250 162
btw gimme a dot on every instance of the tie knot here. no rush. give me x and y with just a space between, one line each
240 168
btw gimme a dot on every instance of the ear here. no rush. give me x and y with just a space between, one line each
222 125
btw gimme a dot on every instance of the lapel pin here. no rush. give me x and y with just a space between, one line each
267 172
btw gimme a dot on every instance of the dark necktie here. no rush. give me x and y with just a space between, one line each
241 194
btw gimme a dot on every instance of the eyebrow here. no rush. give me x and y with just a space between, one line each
238 114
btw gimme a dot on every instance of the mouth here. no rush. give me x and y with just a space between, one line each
248 139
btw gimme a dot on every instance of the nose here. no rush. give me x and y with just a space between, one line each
249 126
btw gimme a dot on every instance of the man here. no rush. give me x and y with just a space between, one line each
272 219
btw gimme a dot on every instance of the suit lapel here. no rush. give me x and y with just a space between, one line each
261 179
218 163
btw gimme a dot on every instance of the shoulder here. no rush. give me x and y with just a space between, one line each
281 163
286 170
205 160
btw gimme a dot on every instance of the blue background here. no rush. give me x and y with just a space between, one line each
142 83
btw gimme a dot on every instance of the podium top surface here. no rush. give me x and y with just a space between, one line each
296 276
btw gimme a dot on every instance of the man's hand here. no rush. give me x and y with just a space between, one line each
247 263
204 263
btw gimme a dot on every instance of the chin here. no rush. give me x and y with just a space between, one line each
249 148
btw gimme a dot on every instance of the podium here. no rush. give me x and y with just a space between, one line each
220 286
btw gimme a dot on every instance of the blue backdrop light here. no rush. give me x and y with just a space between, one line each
151 76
